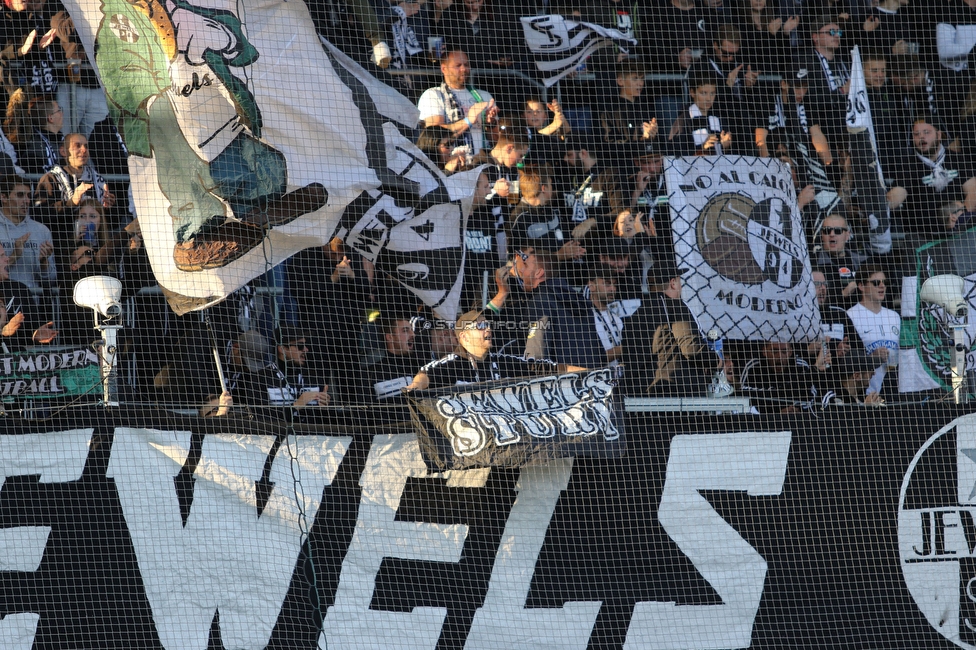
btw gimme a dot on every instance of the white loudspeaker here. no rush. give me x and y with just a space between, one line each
947 292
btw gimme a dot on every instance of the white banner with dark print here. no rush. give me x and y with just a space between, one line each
738 230
517 422
250 139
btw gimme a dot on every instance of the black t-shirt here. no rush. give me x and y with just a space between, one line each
678 376
543 149
929 188
585 194
825 102
455 369
17 299
773 389
891 129
893 26
667 30
389 375
623 120
537 226
37 72
480 257
840 271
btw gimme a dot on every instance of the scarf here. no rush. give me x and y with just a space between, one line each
834 81
940 177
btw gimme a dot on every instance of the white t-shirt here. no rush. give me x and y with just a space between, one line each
881 330
433 103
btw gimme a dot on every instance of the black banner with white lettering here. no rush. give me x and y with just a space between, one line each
513 423
139 530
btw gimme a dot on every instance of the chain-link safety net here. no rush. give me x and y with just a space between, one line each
484 324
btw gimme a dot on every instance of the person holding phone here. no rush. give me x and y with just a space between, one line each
83 249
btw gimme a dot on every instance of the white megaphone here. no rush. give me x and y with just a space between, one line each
947 292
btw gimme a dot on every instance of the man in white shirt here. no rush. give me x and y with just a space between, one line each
28 243
878 327
454 104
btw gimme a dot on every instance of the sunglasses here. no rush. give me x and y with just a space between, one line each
877 283
835 231
834 32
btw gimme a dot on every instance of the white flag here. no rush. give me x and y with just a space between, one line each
250 139
868 175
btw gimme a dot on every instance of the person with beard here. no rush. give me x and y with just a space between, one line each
454 104
282 387
929 178
249 352
643 180
837 262
587 184
623 261
849 381
396 370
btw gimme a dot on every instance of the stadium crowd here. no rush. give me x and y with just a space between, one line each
569 258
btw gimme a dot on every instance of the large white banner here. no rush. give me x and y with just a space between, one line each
738 230
250 139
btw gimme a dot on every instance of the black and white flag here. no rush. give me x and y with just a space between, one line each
560 45
868 175
737 228
518 422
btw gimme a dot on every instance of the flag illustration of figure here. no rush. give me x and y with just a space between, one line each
202 125
261 140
